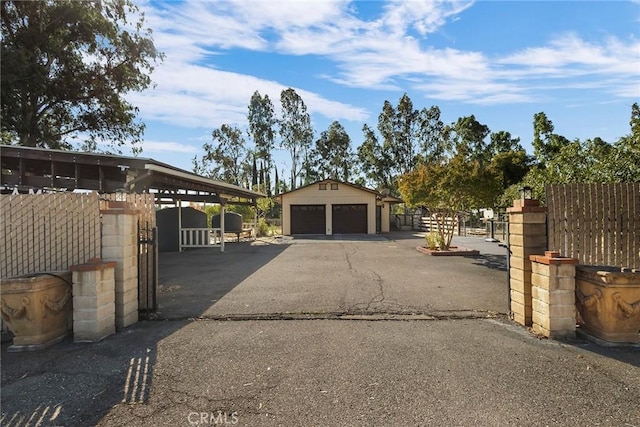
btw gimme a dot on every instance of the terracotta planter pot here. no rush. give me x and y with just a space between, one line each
37 309
608 300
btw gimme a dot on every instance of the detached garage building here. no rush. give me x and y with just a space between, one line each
333 207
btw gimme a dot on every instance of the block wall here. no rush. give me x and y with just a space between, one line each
553 295
527 236
119 244
93 300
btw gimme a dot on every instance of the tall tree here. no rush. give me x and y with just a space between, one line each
399 128
625 157
226 158
502 142
254 173
283 187
591 161
406 135
309 171
635 124
276 188
66 69
332 153
267 181
508 159
262 122
433 135
469 137
296 133
546 144
373 161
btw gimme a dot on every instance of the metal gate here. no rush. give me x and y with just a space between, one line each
147 269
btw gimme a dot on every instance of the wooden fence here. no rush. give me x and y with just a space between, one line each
48 232
430 223
599 224
144 203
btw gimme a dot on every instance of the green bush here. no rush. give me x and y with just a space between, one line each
262 228
433 239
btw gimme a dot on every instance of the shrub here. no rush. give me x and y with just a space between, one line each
433 240
262 228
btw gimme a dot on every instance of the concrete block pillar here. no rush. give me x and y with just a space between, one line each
94 316
553 292
119 244
527 236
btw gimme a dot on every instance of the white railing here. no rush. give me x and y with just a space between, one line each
249 228
200 238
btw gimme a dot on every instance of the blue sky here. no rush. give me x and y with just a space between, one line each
503 61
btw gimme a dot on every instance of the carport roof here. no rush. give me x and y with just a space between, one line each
26 168
379 195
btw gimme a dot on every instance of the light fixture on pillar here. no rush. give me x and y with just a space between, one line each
525 193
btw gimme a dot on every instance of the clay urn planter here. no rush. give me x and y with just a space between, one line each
608 300
37 308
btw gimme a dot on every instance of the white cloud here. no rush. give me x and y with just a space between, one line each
190 92
611 56
149 146
198 96
474 93
424 16
388 51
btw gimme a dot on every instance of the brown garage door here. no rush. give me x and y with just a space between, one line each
308 219
349 219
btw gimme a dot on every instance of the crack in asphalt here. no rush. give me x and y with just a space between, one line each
378 298
380 294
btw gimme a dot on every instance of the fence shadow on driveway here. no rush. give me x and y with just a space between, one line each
192 281
495 262
79 383
118 371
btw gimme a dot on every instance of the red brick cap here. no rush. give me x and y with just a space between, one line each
94 264
527 209
526 205
552 258
119 211
117 204
116 207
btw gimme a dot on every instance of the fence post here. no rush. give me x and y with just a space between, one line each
93 300
527 236
553 289
119 243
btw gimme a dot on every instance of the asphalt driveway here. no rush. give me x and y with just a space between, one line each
348 331
337 275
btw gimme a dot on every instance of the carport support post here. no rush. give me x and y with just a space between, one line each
180 224
255 221
527 236
222 212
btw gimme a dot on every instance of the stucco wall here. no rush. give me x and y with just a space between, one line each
384 218
345 194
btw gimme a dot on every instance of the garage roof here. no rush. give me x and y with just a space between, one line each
26 168
379 195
